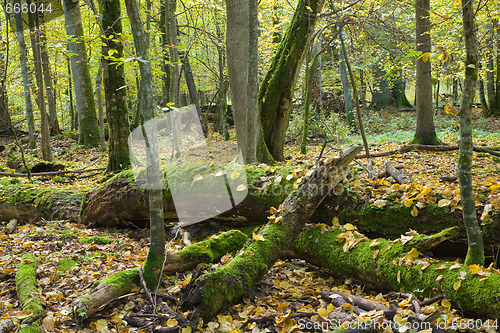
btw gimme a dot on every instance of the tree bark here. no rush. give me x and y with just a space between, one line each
23 59
173 53
100 108
276 90
44 122
115 87
425 132
84 94
475 254
224 286
349 108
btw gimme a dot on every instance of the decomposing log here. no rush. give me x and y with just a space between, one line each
408 148
207 251
9 228
226 285
396 266
25 202
49 173
27 293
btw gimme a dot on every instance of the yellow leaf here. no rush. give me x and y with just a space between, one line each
257 237
408 203
445 303
187 330
235 175
171 322
323 313
444 202
349 227
273 210
474 269
241 187
399 276
279 218
282 306
411 255
439 278
450 109
457 284
414 212
375 254
197 177
425 191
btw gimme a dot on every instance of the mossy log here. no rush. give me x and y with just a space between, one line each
28 202
207 251
227 284
398 266
27 293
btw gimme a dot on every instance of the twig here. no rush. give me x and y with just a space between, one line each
146 290
431 300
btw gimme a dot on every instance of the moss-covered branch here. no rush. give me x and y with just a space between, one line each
398 266
27 292
207 251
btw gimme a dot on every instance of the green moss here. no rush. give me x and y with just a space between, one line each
122 281
152 270
98 240
59 179
27 292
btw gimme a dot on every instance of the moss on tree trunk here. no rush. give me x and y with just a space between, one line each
397 266
27 292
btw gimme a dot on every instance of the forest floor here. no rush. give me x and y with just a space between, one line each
68 266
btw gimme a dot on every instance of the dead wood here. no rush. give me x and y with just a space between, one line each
50 173
211 292
408 148
10 227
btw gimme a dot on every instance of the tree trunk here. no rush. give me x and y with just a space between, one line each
425 132
475 254
221 118
276 90
482 97
173 52
5 121
84 94
115 88
208 294
399 94
497 100
490 80
397 267
241 42
49 87
100 108
44 123
347 89
23 59
381 95
193 92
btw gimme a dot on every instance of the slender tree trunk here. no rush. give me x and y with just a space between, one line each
49 86
74 117
156 254
497 100
100 108
425 132
84 93
490 82
381 96
276 90
5 121
193 92
221 118
475 253
35 45
23 59
346 89
173 52
115 89
482 96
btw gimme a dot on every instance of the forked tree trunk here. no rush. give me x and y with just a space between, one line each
475 254
226 285
276 90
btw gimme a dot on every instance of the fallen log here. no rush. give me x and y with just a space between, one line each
408 148
398 266
207 251
390 171
226 285
27 292
48 173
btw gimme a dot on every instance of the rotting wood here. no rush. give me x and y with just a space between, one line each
408 148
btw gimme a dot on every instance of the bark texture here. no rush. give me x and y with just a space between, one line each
475 254
425 132
84 94
276 90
